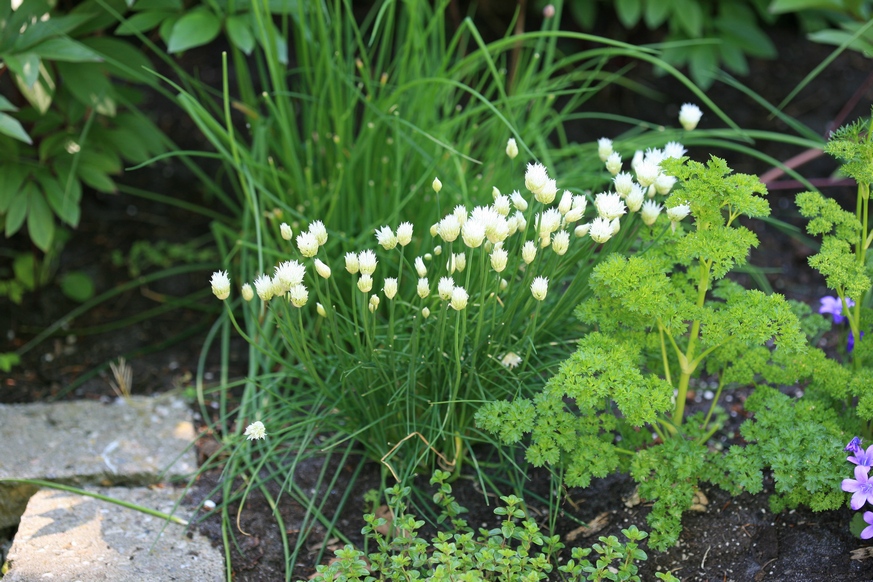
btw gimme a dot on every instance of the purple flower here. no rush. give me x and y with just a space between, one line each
861 487
867 532
861 457
850 343
854 445
833 306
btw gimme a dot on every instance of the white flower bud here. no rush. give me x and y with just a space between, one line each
317 230
298 295
423 288
600 230
637 160
566 202
502 205
285 231
561 242
535 177
650 212
404 233
511 148
547 193
458 263
438 250
635 198
365 283
529 252
319 308
604 148
419 267
647 172
499 257
386 237
503 284
437 185
247 292
581 230
373 303
425 312
434 229
623 182
520 220
264 287
518 201
307 243
459 298
548 222
444 288
539 288
689 115
664 183
322 269
367 262
220 284
390 287
352 265
613 163
615 225
677 213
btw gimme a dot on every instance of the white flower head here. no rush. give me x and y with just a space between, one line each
518 201
460 213
647 172
674 149
423 287
566 202
520 220
367 262
650 212
365 283
288 274
664 183
247 292
677 213
322 269
613 163
458 263
473 233
220 284
420 268
623 183
404 233
689 115
285 231
502 205
561 242
615 225
386 237
511 148
438 250
264 287
444 288
256 431
600 230
655 155
298 295
529 251
535 177
433 229
581 230
577 209
635 199
539 288
373 303
609 205
437 185
510 360
604 148
547 193
317 230
459 298
307 244
548 221
449 228
499 256
352 265
390 287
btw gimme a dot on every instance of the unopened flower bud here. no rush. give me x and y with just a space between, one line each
689 115
650 211
420 268
319 308
613 163
423 288
561 242
518 201
404 233
373 303
322 269
458 263
581 230
438 250
298 295
498 259
437 185
352 263
390 287
386 237
565 203
425 312
539 288
604 148
365 283
285 231
503 284
549 11
434 229
459 298
529 252
247 292
511 148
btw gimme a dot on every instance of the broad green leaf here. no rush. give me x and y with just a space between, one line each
18 209
240 33
88 83
56 26
66 207
25 268
195 28
96 178
656 14
78 286
584 13
9 359
65 49
147 133
25 66
126 142
703 64
12 176
689 15
41 93
142 22
166 28
838 37
6 104
629 12
143 5
287 7
40 222
783 6
13 128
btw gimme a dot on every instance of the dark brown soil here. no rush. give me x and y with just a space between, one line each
735 539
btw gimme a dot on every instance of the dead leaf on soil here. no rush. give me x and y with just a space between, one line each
862 553
699 502
591 528
633 499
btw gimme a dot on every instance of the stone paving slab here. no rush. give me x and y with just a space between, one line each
65 537
136 442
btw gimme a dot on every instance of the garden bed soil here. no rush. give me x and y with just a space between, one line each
736 538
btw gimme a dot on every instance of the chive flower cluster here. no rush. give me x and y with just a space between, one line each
861 487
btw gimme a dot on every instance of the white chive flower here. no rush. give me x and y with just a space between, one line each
317 230
255 431
548 221
499 256
664 183
613 163
438 250
529 251
457 263
615 225
623 183
518 201
404 233
420 268
650 212
609 205
604 148
298 295
449 228
386 237
365 283
566 202
473 233
637 160
247 292
510 360
423 287
502 205
561 242
264 287
425 312
689 115
319 308
444 288
674 149
352 265
288 274
655 155
647 172
511 148
390 287
494 193
535 177
437 185
539 288
307 244
285 231
460 213
220 284
433 229
367 262
581 230
322 269
459 298
547 193
600 230
577 210
373 303
677 213
635 199
520 220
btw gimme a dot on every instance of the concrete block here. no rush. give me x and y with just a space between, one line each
65 537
